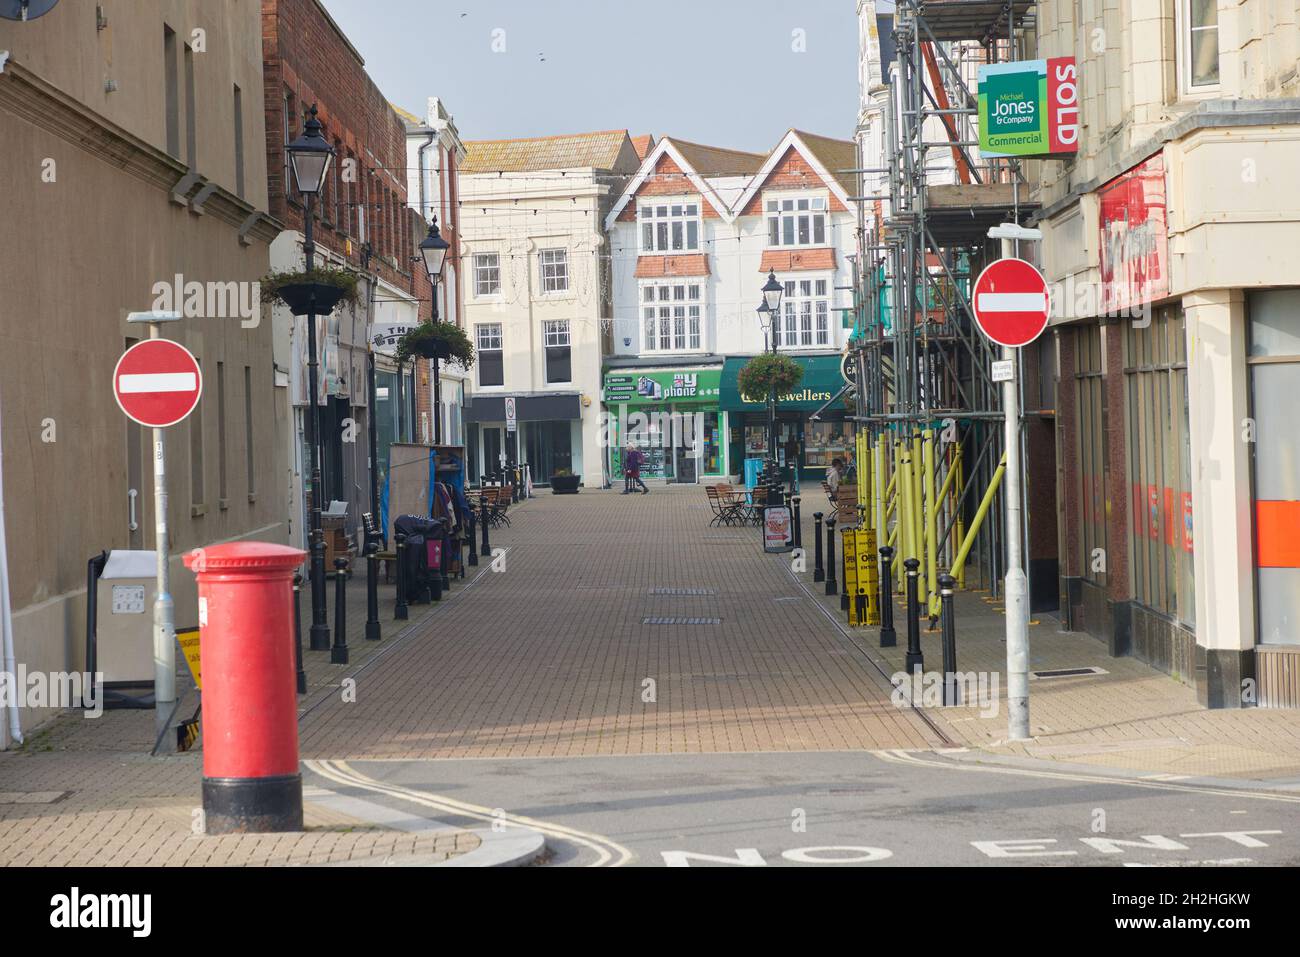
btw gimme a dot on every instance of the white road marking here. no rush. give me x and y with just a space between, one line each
1012 302
608 852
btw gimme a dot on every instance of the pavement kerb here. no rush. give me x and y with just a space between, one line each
512 847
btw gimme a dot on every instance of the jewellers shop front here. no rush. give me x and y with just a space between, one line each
809 443
672 416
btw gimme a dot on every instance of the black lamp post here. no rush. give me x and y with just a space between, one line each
769 314
309 157
433 249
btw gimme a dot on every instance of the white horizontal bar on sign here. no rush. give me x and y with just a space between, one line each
158 382
1012 302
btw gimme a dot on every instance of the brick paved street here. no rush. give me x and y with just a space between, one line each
550 656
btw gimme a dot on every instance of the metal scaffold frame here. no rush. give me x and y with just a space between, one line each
930 448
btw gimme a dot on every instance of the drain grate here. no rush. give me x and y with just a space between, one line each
671 620
683 591
1068 672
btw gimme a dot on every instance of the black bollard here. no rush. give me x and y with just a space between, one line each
400 611
486 548
844 578
372 591
297 631
946 584
514 486
798 532
471 533
888 637
831 587
914 658
819 571
339 651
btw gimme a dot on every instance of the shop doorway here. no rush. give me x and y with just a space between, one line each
548 449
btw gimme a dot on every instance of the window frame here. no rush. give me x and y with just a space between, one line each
557 328
1184 29
482 331
496 292
667 220
560 269
778 217
666 305
793 310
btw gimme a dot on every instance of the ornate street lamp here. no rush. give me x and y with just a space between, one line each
309 158
769 313
433 249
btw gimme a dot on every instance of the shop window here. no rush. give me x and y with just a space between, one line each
1090 401
824 442
555 337
490 357
1159 466
1274 365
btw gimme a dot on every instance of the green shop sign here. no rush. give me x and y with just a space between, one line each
632 387
821 381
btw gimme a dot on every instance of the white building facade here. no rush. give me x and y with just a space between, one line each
537 304
693 238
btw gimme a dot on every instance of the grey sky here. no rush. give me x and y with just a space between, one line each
721 72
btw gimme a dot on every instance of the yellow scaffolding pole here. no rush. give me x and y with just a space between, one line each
931 533
960 559
958 527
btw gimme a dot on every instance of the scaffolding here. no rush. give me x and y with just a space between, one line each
930 443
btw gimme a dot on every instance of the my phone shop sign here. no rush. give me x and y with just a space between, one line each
1029 108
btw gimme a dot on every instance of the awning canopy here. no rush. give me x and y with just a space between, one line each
528 408
821 381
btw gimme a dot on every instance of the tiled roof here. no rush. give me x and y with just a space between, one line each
598 150
409 118
657 267
643 145
835 155
779 260
717 161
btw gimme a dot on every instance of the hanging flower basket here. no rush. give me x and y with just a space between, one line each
770 372
437 340
319 290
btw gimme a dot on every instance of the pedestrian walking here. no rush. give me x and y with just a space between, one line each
633 462
627 471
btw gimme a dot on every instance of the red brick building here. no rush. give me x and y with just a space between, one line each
361 221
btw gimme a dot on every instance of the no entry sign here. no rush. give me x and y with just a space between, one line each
1011 302
157 382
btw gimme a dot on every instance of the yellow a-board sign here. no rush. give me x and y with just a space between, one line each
189 642
861 575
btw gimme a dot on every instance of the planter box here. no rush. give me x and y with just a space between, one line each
565 484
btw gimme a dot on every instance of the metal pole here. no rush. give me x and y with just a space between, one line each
914 661
888 637
1017 584
400 610
798 532
339 653
164 624
832 588
946 584
819 570
320 629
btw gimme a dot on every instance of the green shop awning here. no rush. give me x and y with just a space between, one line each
675 387
821 381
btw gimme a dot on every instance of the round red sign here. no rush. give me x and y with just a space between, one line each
157 382
1011 302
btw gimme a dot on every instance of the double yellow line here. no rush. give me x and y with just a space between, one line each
608 853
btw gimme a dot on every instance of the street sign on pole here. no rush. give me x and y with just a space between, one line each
511 418
157 383
1011 302
1012 305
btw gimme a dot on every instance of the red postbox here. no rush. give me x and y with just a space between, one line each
251 781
